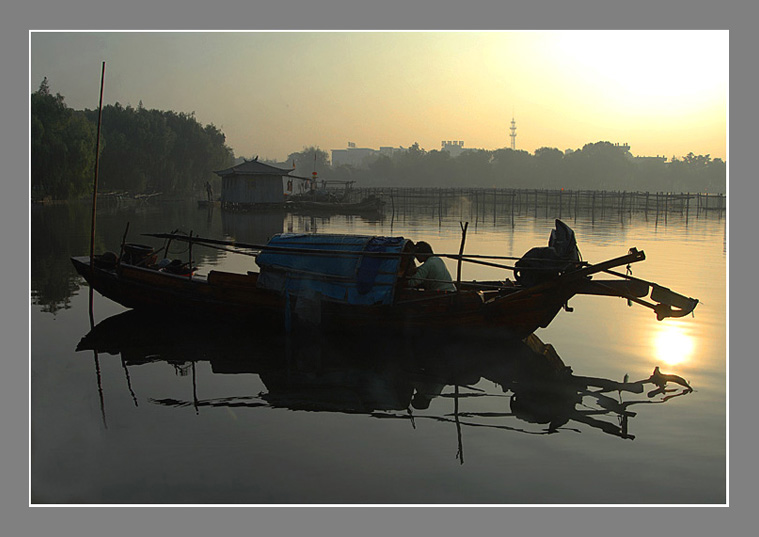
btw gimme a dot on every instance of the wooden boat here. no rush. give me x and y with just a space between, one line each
352 282
317 197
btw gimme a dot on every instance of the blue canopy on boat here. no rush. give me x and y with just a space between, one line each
332 265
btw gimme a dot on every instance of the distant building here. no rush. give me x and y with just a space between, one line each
625 148
359 157
657 158
353 156
454 147
252 183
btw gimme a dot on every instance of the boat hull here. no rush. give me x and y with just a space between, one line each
366 206
504 314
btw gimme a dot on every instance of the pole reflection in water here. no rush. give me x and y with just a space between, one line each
386 378
97 361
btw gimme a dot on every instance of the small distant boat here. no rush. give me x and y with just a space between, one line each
370 204
322 197
352 282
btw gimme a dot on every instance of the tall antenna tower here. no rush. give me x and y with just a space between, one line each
513 134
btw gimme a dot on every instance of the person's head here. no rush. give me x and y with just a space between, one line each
422 251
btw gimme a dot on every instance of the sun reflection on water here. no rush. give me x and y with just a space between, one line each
672 343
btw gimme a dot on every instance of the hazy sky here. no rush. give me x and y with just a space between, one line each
274 93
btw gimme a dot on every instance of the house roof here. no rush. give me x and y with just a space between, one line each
253 167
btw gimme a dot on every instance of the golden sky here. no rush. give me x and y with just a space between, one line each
274 93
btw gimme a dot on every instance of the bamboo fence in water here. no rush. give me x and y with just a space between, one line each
494 203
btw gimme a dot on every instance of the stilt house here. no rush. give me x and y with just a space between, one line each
252 183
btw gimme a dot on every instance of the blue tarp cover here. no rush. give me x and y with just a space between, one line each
352 279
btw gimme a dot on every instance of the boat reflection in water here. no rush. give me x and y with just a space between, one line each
385 378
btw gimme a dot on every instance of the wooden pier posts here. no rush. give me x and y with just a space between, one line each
476 203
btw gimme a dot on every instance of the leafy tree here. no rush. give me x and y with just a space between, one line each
310 159
473 167
549 167
44 88
440 168
698 173
146 150
62 147
381 170
157 151
652 174
410 168
716 176
599 166
513 169
346 172
415 151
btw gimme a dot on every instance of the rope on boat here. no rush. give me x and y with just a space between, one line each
549 264
581 269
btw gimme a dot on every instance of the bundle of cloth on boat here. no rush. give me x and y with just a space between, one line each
294 265
545 262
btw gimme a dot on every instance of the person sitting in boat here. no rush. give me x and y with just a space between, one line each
432 273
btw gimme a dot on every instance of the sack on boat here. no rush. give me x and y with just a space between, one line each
138 254
107 260
538 265
546 262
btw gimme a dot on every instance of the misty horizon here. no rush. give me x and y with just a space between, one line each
272 93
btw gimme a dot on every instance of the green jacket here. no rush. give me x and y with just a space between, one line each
432 274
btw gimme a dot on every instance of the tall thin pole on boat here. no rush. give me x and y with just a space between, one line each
97 164
464 226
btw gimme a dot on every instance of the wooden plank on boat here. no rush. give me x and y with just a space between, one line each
615 288
217 277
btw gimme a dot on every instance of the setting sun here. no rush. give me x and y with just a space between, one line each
660 92
672 344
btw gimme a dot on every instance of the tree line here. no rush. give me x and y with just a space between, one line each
145 151
141 150
597 166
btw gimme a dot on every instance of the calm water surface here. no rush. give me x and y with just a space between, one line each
162 410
